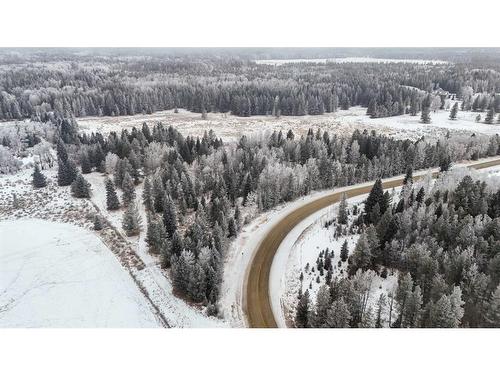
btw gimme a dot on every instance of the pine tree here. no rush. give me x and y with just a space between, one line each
344 251
80 188
361 257
490 116
321 308
156 236
408 177
403 293
112 202
147 196
339 315
493 310
375 197
343 216
85 163
302 313
131 222
425 118
39 180
454 111
169 216
128 189
412 309
98 222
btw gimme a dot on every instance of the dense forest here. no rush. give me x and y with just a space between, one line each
47 85
444 244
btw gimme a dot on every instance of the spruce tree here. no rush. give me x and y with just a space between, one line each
408 177
98 222
343 216
490 116
169 216
375 197
156 236
302 312
147 195
454 111
112 202
128 189
425 117
344 251
39 180
80 188
131 222
338 315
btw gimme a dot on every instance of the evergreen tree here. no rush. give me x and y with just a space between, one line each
425 117
493 311
39 179
131 222
147 196
128 189
344 251
169 216
80 188
302 313
408 177
85 163
343 216
98 222
338 315
156 236
361 257
112 202
490 116
376 197
412 309
454 111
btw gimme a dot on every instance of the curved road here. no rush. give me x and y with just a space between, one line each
257 304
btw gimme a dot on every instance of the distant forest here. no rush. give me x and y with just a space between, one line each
43 84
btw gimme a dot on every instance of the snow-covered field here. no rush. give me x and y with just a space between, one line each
342 122
60 275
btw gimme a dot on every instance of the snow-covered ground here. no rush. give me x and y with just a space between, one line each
60 275
342 122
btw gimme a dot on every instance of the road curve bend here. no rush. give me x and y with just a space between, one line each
257 301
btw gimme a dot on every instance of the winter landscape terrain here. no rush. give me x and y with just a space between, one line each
140 191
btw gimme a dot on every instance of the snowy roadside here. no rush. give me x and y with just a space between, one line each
243 249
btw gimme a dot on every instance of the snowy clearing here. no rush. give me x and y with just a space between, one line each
230 128
61 275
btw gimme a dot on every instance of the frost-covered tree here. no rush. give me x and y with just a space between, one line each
80 188
39 179
302 313
343 214
112 202
131 222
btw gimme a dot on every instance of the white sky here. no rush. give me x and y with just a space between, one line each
306 23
